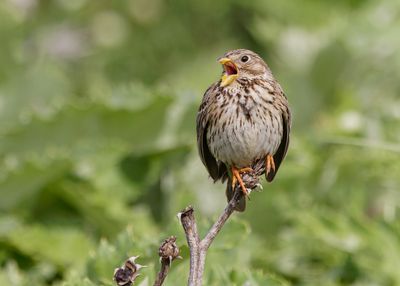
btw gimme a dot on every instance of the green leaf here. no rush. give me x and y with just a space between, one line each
91 125
22 185
61 246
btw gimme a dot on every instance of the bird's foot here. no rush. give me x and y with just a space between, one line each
237 178
269 164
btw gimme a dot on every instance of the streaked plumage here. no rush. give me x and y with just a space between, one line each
243 118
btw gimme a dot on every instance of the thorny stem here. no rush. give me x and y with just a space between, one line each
198 248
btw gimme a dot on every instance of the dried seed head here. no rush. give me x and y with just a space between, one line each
127 273
169 250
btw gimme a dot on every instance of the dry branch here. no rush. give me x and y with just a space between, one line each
198 248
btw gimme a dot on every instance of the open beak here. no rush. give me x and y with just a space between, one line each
231 71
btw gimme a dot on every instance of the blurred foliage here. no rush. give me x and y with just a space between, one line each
97 124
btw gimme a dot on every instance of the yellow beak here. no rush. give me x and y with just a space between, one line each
223 61
231 71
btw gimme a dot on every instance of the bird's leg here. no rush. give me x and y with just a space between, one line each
269 164
237 178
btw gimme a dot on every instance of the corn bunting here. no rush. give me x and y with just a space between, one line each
243 123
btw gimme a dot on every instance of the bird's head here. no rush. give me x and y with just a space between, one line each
241 64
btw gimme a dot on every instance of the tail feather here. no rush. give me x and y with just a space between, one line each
241 204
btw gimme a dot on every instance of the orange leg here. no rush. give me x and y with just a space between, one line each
237 178
269 164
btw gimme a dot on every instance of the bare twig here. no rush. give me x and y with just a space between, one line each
217 226
188 222
168 252
198 249
162 274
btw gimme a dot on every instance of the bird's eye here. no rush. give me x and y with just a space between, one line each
244 59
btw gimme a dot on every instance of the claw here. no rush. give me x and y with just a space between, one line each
237 178
269 164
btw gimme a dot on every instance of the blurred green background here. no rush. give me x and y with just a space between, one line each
97 151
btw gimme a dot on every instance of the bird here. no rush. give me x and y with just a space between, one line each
243 123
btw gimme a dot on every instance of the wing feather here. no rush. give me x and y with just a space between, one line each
215 168
283 146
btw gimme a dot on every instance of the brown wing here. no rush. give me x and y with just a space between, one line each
215 168
283 146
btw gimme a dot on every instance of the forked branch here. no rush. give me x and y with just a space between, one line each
198 248
168 251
